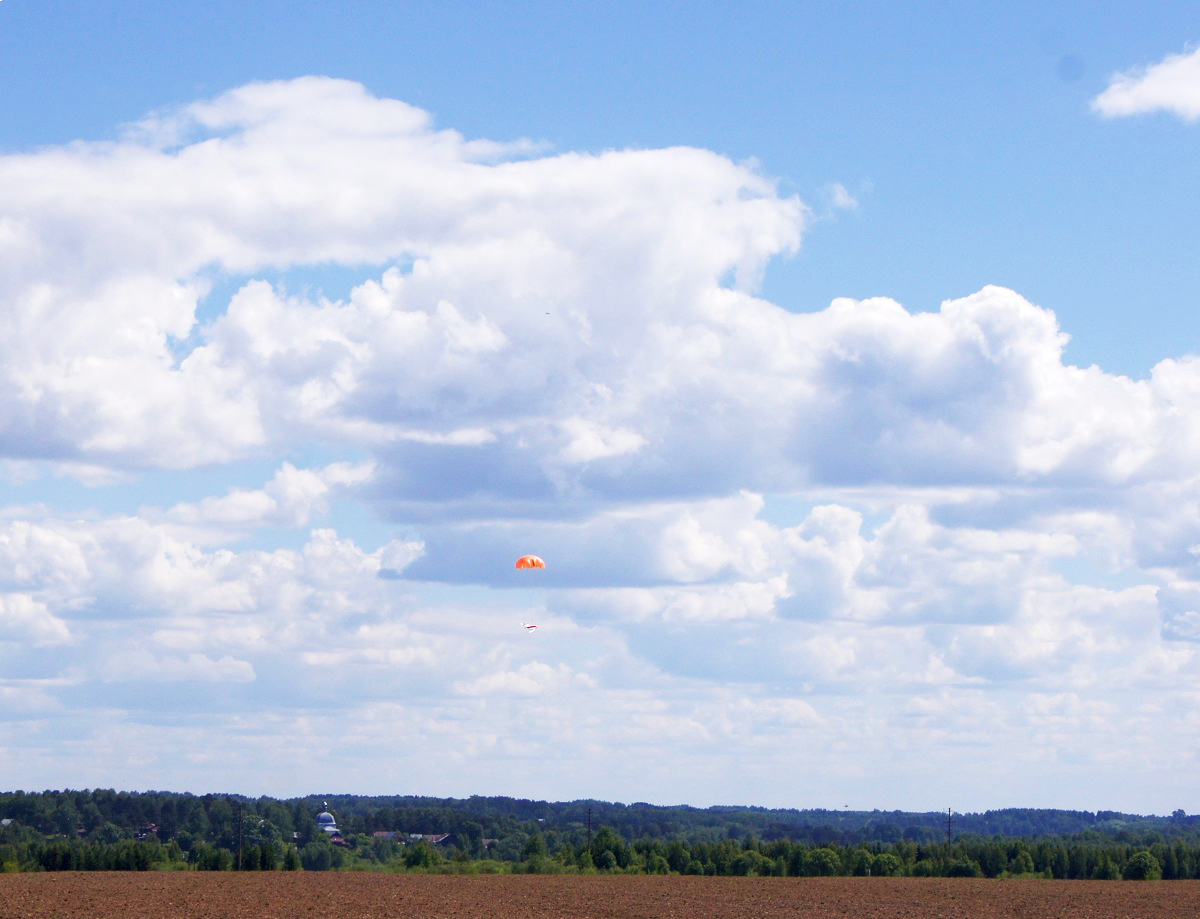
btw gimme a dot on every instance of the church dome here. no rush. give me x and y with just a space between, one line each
325 818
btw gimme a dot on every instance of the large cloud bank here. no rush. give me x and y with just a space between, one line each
862 553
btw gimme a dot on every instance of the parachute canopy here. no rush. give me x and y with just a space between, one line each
530 561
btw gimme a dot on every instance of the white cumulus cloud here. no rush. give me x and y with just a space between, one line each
1172 85
876 529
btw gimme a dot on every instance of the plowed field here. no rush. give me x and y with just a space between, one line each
374 896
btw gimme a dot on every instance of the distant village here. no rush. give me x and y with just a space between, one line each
327 823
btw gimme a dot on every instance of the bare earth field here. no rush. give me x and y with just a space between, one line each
99 895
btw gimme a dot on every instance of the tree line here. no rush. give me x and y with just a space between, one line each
108 830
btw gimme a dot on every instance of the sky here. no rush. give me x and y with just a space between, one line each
839 360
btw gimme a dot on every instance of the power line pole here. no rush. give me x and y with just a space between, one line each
239 861
589 831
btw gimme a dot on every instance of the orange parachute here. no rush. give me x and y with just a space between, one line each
530 561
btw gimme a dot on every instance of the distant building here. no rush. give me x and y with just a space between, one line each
434 839
327 824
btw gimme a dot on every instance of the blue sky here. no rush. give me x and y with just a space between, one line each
838 359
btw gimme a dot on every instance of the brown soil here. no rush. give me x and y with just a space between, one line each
312 895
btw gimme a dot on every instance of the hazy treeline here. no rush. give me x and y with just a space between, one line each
735 822
87 812
108 830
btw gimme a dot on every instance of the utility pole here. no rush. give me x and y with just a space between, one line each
949 831
589 831
239 861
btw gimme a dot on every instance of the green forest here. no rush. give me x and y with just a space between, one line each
109 830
